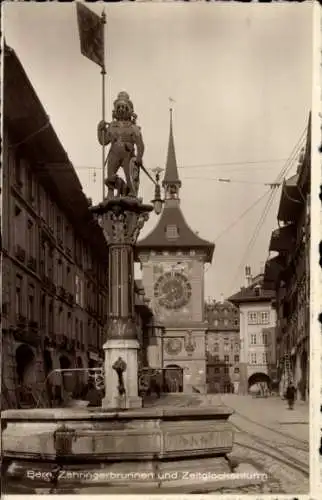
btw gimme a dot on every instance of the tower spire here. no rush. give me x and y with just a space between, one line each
171 181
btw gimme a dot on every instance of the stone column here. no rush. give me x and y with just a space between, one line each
121 221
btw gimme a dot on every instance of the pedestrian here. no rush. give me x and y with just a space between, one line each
290 395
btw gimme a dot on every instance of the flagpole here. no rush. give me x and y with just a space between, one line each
103 73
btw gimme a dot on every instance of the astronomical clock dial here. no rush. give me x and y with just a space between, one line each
172 290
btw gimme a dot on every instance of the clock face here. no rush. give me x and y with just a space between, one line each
172 290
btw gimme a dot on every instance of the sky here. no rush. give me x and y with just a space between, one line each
240 75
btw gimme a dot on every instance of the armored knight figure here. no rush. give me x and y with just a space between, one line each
124 136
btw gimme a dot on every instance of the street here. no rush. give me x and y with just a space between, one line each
273 438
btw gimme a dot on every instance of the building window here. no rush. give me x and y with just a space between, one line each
81 332
69 324
50 263
77 330
31 238
18 169
18 226
217 369
216 322
236 358
43 311
253 338
236 369
31 302
18 295
264 317
61 320
216 347
226 322
236 322
265 338
79 291
236 346
30 190
265 361
252 318
172 232
68 279
226 369
59 272
226 347
216 359
51 317
226 359
253 359
59 228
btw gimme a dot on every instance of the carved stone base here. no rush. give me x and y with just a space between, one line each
166 447
126 349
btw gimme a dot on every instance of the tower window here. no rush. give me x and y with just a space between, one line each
172 232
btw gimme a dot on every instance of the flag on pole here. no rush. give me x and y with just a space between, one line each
91 34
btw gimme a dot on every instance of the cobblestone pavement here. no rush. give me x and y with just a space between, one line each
273 438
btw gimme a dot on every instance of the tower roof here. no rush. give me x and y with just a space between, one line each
161 239
171 175
172 231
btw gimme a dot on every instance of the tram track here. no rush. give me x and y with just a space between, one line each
271 429
279 454
289 462
301 444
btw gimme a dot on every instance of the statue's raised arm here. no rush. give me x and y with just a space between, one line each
126 146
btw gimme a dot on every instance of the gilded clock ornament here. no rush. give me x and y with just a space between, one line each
172 290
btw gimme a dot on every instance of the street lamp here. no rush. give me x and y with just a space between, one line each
157 201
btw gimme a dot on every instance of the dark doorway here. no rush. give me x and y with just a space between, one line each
173 379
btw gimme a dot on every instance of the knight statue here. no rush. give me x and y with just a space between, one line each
126 148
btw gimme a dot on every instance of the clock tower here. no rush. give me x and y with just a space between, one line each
172 260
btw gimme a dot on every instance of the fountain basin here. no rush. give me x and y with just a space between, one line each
111 445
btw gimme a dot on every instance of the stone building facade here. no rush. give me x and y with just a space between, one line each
257 334
172 261
54 269
222 347
288 274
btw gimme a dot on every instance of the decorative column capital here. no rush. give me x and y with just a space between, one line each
122 219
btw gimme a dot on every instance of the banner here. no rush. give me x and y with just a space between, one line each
91 34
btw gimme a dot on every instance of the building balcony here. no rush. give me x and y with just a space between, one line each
27 334
273 269
32 264
33 324
70 298
61 292
291 201
283 239
21 320
20 253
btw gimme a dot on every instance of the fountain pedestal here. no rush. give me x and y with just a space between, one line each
126 349
121 220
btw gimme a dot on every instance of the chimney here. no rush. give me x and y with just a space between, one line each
248 276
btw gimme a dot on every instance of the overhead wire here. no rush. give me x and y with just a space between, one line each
242 164
288 165
241 216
